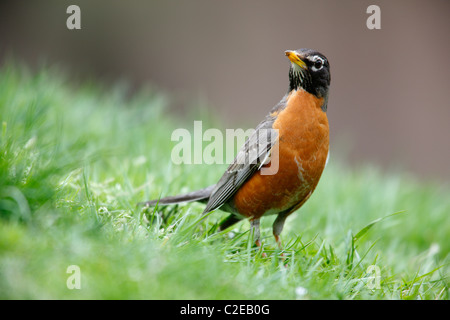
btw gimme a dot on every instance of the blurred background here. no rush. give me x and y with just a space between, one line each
389 100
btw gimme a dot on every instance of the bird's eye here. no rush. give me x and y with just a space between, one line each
318 64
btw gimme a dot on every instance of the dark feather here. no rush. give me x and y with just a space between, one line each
201 195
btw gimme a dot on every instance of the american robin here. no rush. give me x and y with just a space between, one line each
298 142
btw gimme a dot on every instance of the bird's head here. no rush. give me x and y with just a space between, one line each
310 71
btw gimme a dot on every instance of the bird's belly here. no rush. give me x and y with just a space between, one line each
296 179
301 150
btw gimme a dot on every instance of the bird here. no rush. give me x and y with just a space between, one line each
280 164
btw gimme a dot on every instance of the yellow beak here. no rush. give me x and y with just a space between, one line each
294 58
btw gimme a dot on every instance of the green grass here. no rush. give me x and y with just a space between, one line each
75 160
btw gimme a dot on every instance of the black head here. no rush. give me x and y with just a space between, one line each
310 71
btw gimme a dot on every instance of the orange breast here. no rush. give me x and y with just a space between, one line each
302 150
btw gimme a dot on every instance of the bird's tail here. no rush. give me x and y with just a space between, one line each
201 195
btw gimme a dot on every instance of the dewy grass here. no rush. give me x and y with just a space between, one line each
75 160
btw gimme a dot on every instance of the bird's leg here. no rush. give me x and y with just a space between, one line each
278 241
277 227
254 223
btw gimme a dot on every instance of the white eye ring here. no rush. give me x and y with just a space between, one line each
318 63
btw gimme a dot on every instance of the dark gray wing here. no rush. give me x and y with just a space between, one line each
251 157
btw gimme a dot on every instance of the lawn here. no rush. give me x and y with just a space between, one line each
76 158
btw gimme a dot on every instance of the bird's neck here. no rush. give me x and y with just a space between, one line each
300 80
